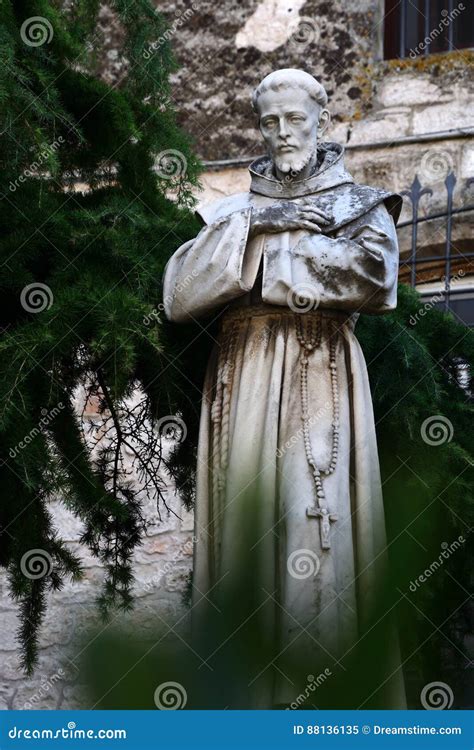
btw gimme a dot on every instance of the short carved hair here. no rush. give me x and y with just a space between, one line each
291 78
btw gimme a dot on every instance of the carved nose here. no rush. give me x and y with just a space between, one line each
283 130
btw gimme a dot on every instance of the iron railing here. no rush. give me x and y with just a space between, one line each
414 261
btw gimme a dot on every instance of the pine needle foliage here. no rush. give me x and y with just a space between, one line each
87 227
425 434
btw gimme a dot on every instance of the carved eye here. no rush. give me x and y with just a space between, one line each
269 124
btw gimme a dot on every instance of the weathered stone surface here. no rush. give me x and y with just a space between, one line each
410 90
162 567
281 15
467 162
458 113
385 126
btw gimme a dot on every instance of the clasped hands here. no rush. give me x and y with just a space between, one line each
287 215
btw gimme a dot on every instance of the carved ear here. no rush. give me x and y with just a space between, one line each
324 120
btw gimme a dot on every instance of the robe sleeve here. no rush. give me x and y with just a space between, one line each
357 269
206 273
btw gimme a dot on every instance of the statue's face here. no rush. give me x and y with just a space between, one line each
289 125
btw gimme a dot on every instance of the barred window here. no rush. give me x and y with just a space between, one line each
415 28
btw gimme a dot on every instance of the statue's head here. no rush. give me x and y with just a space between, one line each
291 107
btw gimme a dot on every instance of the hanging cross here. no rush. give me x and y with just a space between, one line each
313 511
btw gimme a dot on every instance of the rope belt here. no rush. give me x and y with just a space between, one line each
243 312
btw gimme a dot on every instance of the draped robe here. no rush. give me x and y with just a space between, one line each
262 423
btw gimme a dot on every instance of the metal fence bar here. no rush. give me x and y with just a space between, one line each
415 193
450 27
450 182
429 259
413 262
403 27
441 215
427 27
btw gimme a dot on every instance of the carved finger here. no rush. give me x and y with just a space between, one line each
316 211
315 216
304 224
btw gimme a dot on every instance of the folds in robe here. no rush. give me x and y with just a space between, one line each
251 435
352 265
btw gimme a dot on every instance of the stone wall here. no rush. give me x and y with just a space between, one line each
162 567
224 49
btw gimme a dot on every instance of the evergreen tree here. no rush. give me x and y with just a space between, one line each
425 433
80 279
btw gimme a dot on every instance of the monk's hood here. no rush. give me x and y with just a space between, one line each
331 188
330 172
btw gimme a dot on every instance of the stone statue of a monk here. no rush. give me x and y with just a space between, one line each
287 410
